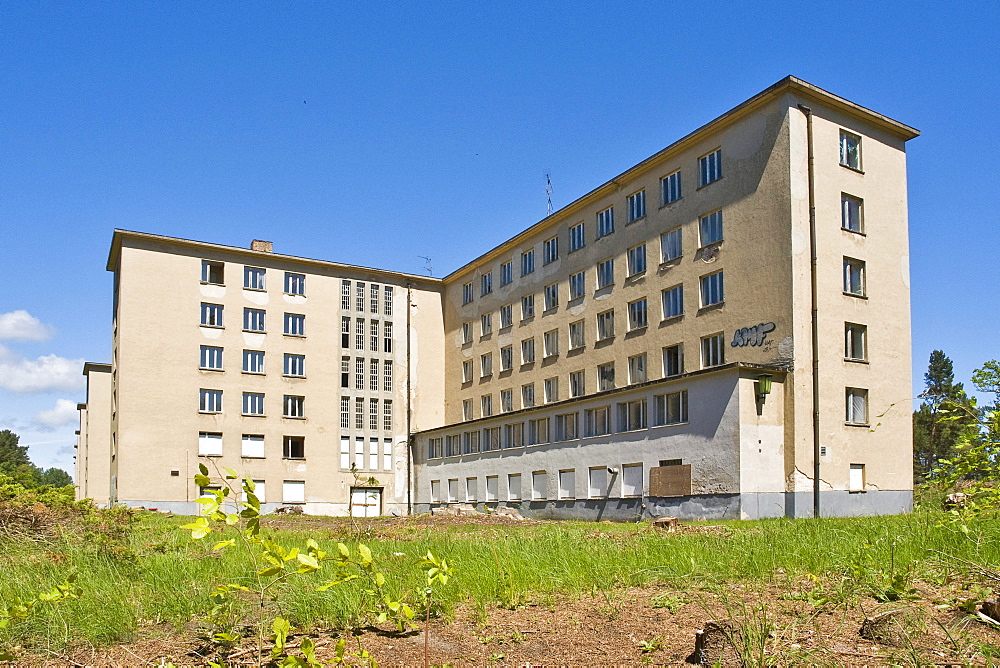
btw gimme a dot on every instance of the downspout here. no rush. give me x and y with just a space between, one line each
815 308
409 407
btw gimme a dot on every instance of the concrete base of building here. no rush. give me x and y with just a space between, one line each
708 506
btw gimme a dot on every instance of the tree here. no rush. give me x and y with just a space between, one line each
987 379
15 463
55 477
936 428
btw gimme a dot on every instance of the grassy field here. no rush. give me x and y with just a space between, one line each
145 572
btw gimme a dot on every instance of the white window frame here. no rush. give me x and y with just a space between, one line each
855 342
527 307
636 205
486 365
550 250
209 401
850 150
710 230
211 358
606 377
467 371
506 316
551 297
507 272
632 480
567 484
606 325
670 188
854 277
670 408
636 260
550 390
211 315
486 324
528 395
671 245
712 289
713 350
577 237
254 278
252 447
637 369
486 284
254 320
710 168
295 324
209 268
253 403
209 444
638 315
672 300
605 222
295 365
528 262
293 406
253 361
606 273
293 491
295 284
852 213
577 383
506 358
467 293
856 406
577 335
527 351
577 285
668 353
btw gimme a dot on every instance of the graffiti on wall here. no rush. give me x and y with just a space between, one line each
752 336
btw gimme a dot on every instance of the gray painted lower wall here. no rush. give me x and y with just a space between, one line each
709 506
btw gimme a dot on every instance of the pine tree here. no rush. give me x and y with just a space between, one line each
935 431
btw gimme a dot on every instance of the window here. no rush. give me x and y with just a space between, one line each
670 408
670 188
710 168
605 273
506 358
295 324
636 260
606 325
576 384
673 360
506 273
253 361
211 315
637 369
373 376
636 206
374 302
359 334
528 395
713 349
359 416
210 444
597 482
577 285
359 452
253 403
486 283
466 332
857 478
513 486
211 358
513 435
345 295
670 245
452 445
470 442
712 289
212 272
492 487
632 415
253 278
854 277
387 376
539 485
550 250
295 284
566 427
527 262
467 293
632 480
373 425
527 307
550 389
293 491
710 228
453 490
597 421
851 213
294 406
606 377
850 150
506 316
360 300
857 406
345 332
637 316
435 449
374 336
576 335
673 302
295 365
567 484
486 405
253 446
253 320
359 373
855 343
606 222
551 296
576 237
527 351
486 324
387 293
486 364
210 401
506 401
467 371
345 414
471 489
387 337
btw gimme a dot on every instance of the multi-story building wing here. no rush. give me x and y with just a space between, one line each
711 333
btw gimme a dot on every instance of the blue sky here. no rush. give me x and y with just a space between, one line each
378 133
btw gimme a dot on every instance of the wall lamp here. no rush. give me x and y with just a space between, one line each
763 387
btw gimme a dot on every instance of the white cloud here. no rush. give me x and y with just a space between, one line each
42 374
64 412
22 326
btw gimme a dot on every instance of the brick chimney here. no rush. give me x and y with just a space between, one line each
262 246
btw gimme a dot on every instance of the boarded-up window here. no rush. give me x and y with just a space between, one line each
670 480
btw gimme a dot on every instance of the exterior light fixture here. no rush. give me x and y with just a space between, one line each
763 387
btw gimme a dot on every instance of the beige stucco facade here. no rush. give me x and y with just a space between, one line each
93 439
697 269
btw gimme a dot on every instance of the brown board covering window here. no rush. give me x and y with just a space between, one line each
670 480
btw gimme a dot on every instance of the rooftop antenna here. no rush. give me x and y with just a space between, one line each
548 191
427 265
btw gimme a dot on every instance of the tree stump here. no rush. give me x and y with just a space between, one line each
884 629
716 644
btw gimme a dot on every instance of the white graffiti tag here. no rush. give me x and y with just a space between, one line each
752 336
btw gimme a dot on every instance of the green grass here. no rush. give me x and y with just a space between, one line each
159 575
